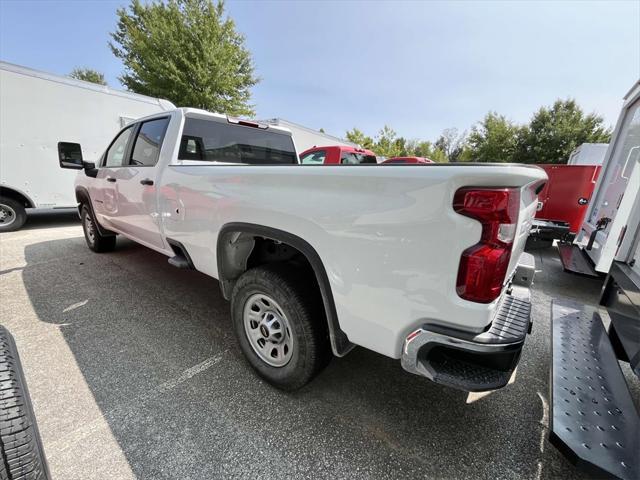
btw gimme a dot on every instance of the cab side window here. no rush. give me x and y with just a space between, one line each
146 149
314 158
118 149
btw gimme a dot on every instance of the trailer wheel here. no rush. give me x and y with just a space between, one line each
12 215
95 241
21 452
278 323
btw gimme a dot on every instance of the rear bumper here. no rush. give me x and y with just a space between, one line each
475 362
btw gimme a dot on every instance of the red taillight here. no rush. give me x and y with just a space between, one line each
483 266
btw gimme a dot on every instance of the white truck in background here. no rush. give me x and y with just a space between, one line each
588 154
41 113
423 264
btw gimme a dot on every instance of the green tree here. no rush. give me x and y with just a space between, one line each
186 51
555 132
422 149
88 75
386 143
494 139
358 137
438 155
451 143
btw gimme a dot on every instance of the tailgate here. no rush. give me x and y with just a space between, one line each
528 207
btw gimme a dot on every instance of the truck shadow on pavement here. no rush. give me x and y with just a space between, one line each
51 219
156 349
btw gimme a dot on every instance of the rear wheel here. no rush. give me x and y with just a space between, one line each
278 321
12 215
95 241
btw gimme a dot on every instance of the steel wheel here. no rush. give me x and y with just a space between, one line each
89 229
7 215
268 330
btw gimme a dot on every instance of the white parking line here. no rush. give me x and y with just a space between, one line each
101 423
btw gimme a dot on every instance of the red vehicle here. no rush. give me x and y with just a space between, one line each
563 202
397 160
337 155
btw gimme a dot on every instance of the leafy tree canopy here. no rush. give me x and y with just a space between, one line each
494 139
387 144
555 132
186 51
88 75
357 136
550 137
451 143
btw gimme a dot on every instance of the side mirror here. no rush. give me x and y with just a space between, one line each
90 169
70 155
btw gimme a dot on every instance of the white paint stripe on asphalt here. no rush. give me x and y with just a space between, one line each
100 423
544 421
190 372
75 305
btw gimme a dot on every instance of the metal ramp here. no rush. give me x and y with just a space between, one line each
594 421
574 260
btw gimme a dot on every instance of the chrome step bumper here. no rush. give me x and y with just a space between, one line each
473 363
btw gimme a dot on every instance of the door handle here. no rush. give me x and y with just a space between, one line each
111 179
146 181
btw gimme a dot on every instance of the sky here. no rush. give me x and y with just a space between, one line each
417 66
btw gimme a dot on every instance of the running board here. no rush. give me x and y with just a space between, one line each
574 260
594 422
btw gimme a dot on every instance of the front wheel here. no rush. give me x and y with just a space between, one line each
12 215
278 321
95 241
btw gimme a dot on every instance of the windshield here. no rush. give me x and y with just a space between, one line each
218 142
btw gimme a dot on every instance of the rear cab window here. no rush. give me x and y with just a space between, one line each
355 158
223 143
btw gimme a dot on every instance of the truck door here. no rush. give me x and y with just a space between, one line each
609 200
137 208
104 190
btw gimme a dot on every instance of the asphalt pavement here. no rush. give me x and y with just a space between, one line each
134 372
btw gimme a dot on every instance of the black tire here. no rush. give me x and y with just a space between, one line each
12 215
302 306
95 241
21 449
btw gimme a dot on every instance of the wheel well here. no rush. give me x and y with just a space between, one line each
245 246
82 196
242 251
17 196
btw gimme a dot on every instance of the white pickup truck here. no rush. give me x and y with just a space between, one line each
422 263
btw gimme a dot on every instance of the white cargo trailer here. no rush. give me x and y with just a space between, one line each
40 114
306 138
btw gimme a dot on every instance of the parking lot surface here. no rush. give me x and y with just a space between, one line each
134 373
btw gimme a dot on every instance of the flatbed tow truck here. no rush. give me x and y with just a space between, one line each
594 420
